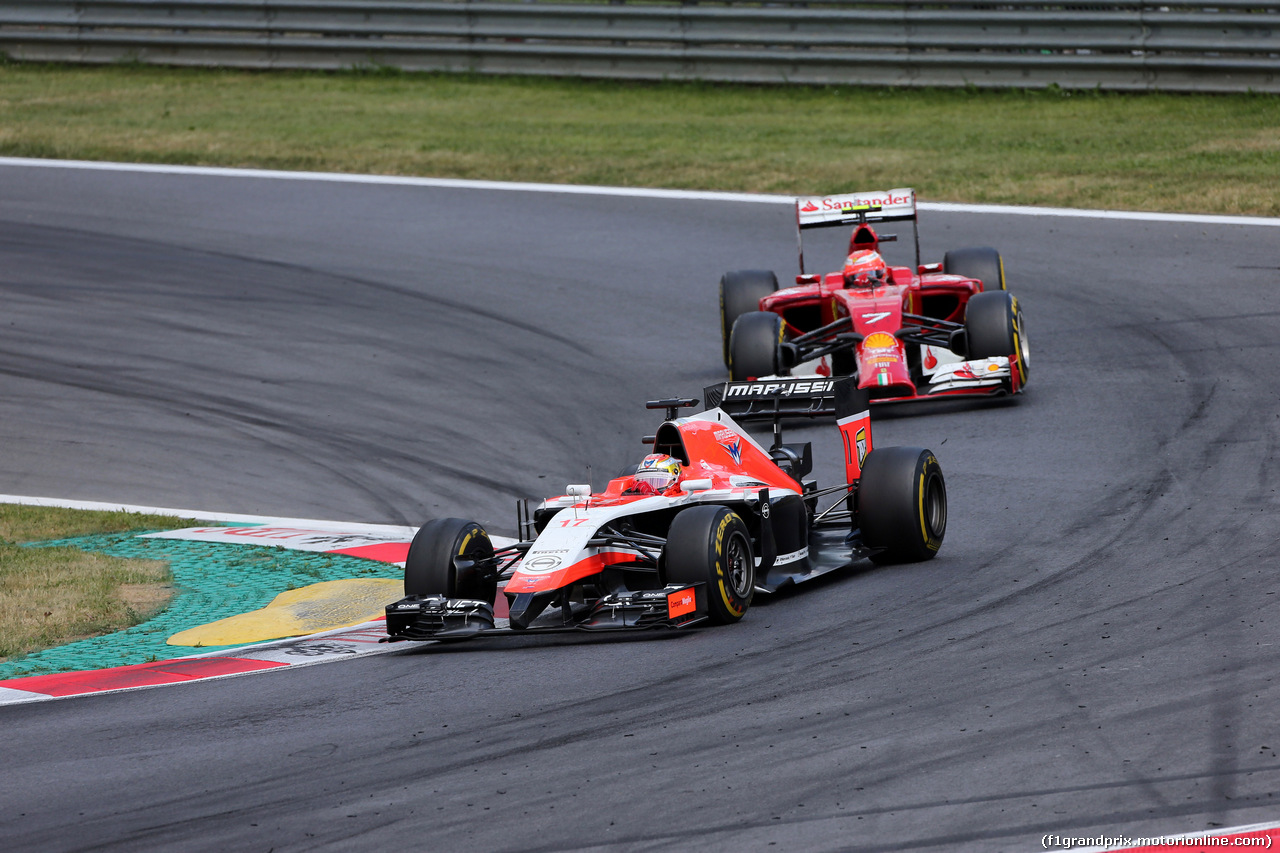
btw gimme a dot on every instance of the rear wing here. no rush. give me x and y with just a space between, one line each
802 396
855 209
776 397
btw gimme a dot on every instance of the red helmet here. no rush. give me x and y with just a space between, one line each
865 268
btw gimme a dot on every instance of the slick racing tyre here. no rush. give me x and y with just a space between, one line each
993 327
711 545
754 346
902 504
981 262
451 557
740 292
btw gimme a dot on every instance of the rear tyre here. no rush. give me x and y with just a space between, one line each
711 545
993 327
754 346
902 504
981 262
740 292
450 557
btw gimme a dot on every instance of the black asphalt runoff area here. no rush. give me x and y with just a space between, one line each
1092 653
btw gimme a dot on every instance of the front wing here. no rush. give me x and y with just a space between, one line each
776 396
436 617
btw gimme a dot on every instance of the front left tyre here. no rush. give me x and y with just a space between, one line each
711 545
994 327
452 557
902 504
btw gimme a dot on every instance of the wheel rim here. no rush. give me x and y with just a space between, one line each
1024 351
740 566
935 506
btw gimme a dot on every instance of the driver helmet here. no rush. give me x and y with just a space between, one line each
865 268
658 471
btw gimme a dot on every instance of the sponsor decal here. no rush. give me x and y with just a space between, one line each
780 388
885 199
734 449
680 602
882 378
876 316
880 340
860 442
874 204
793 557
930 360
540 565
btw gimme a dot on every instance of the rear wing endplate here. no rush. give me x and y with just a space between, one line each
856 208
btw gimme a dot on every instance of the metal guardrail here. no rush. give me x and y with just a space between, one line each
1230 45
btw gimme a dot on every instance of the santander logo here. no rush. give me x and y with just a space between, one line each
882 201
809 207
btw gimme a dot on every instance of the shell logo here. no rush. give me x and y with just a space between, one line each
880 340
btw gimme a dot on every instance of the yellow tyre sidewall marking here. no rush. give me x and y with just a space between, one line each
722 577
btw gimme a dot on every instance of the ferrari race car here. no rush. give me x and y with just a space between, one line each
710 518
904 333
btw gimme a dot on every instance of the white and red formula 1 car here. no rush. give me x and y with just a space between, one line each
737 518
903 332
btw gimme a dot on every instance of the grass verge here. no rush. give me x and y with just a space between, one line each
51 596
1153 151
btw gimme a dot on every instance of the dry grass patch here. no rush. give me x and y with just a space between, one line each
51 596
1151 151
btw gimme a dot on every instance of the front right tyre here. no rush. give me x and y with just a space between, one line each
452 557
741 292
981 262
755 346
711 545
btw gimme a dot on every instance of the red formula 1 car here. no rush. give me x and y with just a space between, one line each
905 333
707 520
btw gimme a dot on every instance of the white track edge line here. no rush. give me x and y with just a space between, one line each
624 192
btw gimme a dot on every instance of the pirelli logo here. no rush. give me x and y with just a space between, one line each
769 389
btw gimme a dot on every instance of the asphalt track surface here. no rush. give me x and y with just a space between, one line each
1094 650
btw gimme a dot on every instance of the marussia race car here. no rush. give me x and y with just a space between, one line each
904 333
736 519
